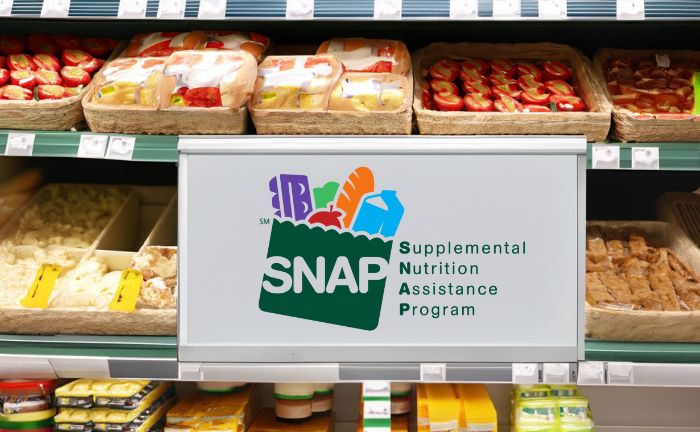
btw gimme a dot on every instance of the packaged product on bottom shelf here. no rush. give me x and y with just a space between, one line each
267 421
449 407
26 405
550 408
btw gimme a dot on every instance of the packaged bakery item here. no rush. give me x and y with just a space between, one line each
116 394
400 398
295 82
369 55
222 386
444 407
370 92
130 81
322 402
294 402
205 411
207 79
267 422
25 396
162 44
478 411
254 43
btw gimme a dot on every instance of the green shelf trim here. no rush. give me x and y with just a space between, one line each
672 156
162 347
147 148
643 352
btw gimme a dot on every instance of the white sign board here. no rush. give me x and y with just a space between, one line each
386 252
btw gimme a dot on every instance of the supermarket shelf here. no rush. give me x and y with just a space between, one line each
671 156
147 148
363 9
643 352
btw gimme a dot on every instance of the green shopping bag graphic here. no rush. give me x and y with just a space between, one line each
325 275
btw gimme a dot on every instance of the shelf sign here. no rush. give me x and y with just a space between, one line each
42 287
645 158
526 373
121 147
212 9
19 144
132 9
5 7
630 10
506 9
339 251
92 146
605 156
464 9
127 291
376 406
552 9
55 8
300 9
387 9
171 9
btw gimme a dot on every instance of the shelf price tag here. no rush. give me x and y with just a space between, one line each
300 9
630 9
433 372
552 9
55 8
555 373
19 144
92 146
40 291
620 373
591 372
121 147
605 157
212 9
5 7
387 9
127 291
132 9
464 9
506 9
645 158
171 9
376 406
526 373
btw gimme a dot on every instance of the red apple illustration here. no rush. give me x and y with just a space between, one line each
326 217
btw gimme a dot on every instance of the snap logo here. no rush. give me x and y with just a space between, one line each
329 249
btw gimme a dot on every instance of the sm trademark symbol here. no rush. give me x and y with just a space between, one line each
264 221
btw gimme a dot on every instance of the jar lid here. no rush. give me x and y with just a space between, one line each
40 386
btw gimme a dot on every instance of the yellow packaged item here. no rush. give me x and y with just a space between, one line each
357 91
444 408
478 411
531 391
422 421
28 416
118 394
200 411
267 422
563 390
130 81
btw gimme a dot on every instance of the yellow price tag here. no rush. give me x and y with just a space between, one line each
127 292
40 291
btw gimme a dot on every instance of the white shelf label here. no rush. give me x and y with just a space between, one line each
387 9
433 372
526 373
121 148
300 9
630 9
5 7
464 9
93 146
555 373
171 9
620 373
591 372
19 144
552 9
506 9
212 9
132 9
605 157
645 158
55 8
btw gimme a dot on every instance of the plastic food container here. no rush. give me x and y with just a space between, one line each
19 397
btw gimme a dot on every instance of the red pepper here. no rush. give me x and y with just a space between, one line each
471 75
568 103
478 102
13 92
559 87
507 104
73 76
477 64
47 62
500 79
502 67
51 92
529 83
445 69
554 70
511 90
21 62
534 98
4 76
439 86
38 43
75 57
48 77
476 87
530 69
23 78
448 102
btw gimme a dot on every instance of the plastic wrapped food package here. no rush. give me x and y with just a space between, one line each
131 81
207 79
162 44
369 92
295 82
369 55
254 43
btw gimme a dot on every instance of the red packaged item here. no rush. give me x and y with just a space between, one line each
96 47
74 76
25 396
23 78
47 62
51 92
448 102
555 70
256 44
478 102
370 55
445 69
21 62
162 44
75 57
476 64
439 86
507 104
48 77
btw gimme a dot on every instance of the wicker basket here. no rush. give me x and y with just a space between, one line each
631 127
594 124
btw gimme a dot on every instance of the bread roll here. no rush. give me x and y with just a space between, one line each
356 91
369 55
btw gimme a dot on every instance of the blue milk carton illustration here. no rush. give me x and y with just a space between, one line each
379 214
